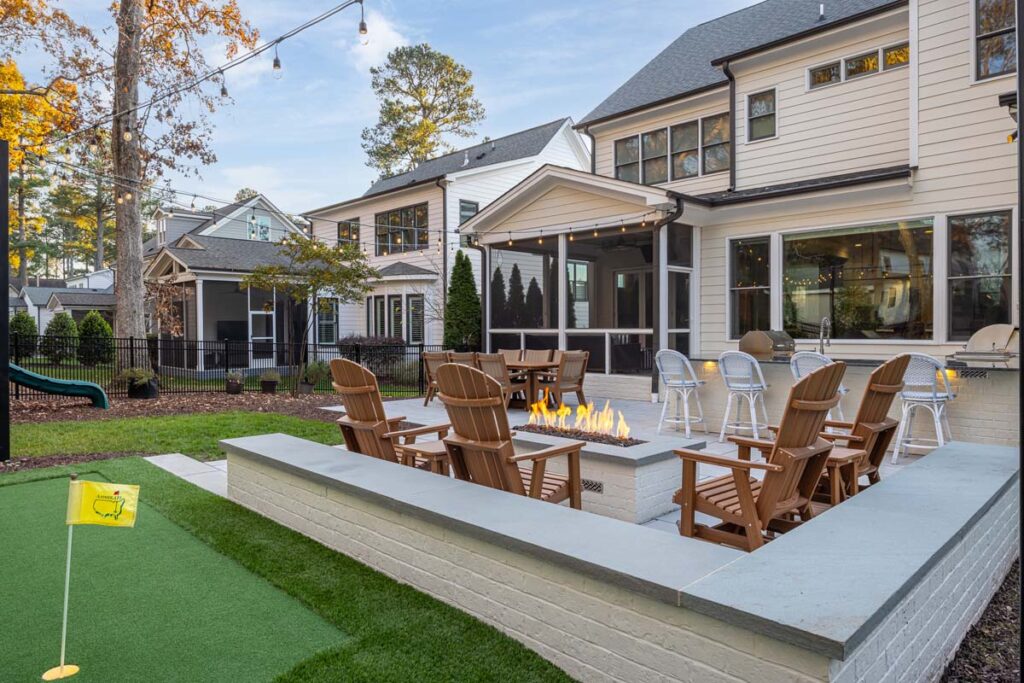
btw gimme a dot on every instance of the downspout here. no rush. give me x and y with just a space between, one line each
656 231
444 242
732 125
593 150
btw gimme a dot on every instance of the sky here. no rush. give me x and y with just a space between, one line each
297 140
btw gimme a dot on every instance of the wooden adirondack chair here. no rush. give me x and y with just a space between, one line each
871 431
753 511
431 362
481 451
365 427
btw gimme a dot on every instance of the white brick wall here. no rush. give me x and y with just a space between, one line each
591 629
921 635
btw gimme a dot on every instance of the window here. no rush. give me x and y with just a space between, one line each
380 321
979 272
655 156
401 230
627 159
685 154
395 321
259 228
824 75
749 286
578 280
761 115
414 307
348 231
862 65
995 47
895 56
467 210
327 321
715 139
873 282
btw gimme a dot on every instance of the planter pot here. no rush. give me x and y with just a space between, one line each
305 388
150 389
233 386
268 386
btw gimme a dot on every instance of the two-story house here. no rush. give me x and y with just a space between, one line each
408 225
791 161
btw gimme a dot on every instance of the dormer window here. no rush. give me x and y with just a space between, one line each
259 228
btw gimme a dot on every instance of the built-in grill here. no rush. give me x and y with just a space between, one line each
768 344
992 343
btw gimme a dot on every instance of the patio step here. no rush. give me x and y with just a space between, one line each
210 476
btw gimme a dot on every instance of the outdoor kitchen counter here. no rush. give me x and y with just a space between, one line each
1011 364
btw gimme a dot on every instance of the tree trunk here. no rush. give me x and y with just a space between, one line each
22 251
98 263
129 291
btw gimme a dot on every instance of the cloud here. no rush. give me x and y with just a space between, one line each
383 37
276 184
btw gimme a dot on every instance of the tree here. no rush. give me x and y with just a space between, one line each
245 193
314 272
95 340
516 299
23 329
60 339
462 314
424 95
499 301
534 305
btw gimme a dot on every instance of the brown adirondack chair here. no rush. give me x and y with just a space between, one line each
481 451
463 358
365 427
870 432
753 511
568 378
431 362
493 365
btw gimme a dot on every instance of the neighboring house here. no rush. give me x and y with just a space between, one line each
772 167
78 301
408 225
203 267
36 302
98 279
14 302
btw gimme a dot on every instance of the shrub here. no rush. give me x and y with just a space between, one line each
132 376
23 325
95 340
316 371
60 338
270 376
462 312
234 376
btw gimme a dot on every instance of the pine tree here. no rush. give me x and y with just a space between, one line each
499 300
95 340
516 299
60 338
462 312
534 305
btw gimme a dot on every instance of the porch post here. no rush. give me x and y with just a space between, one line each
561 282
659 336
200 361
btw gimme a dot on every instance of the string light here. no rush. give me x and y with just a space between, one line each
127 196
223 85
127 136
277 64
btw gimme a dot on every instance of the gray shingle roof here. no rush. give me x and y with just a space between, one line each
526 143
14 302
41 295
223 253
84 297
402 268
685 65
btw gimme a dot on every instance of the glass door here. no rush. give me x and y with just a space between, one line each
262 319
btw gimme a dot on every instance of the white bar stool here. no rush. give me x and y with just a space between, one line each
745 382
804 363
679 378
921 390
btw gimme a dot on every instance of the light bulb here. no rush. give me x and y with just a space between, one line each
128 196
127 136
93 148
120 200
223 90
277 68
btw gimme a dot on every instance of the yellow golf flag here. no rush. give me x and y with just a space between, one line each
96 502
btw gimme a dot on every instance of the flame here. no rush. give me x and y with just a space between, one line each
588 418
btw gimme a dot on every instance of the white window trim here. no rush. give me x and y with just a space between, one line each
843 78
746 115
773 287
973 66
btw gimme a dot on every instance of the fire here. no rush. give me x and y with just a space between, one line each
588 418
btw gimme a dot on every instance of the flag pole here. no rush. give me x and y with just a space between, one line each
64 671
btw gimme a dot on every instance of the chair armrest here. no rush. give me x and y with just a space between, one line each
840 424
721 461
553 451
440 430
849 438
395 420
760 444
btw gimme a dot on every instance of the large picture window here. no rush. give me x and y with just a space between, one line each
401 230
749 286
995 38
979 272
872 282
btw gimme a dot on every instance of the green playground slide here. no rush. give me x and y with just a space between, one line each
63 387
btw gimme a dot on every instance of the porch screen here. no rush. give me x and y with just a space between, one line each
524 285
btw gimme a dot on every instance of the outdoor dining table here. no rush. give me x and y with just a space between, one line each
532 369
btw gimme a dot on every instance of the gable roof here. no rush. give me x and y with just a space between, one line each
224 253
400 268
521 145
82 297
688 65
41 295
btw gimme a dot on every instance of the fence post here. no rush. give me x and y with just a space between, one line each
359 355
421 379
131 351
15 351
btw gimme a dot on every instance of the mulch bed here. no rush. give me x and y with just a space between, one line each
991 650
36 463
578 434
304 406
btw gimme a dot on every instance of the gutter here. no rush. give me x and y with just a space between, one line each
444 242
732 125
676 213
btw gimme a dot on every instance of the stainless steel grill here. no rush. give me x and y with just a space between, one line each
768 344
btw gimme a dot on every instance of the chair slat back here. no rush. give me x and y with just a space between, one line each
511 355
923 376
798 447
493 365
432 360
364 423
537 355
572 367
804 362
464 358
873 423
740 371
675 368
482 443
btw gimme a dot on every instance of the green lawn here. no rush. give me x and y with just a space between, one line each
196 434
394 633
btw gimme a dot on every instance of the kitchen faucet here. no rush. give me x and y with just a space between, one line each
824 335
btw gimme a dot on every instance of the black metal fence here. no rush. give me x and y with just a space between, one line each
185 366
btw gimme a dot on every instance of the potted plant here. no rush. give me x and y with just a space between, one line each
315 372
234 382
142 382
269 380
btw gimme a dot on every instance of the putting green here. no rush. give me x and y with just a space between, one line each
152 603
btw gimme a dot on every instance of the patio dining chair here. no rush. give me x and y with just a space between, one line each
480 449
493 365
804 362
537 355
432 360
511 355
365 426
925 386
745 382
463 358
568 378
752 511
682 382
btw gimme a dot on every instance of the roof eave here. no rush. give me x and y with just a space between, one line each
584 124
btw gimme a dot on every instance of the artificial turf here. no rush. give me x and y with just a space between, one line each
394 633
